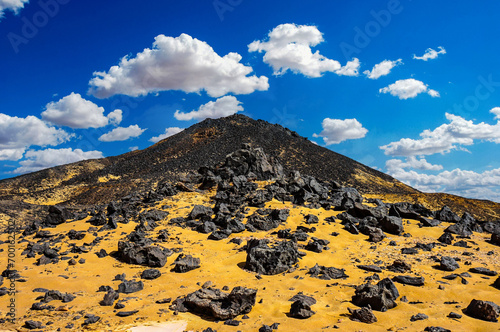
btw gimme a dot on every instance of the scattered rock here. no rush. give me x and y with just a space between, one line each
484 310
301 307
186 263
270 261
109 298
217 304
150 274
130 286
407 280
370 268
152 256
327 273
418 316
32 325
363 315
448 264
454 315
483 270
380 297
436 329
126 313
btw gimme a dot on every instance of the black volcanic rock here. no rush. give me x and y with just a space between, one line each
448 264
57 215
301 307
327 273
270 260
392 225
380 297
130 286
363 315
184 263
217 304
484 310
407 280
152 256
446 215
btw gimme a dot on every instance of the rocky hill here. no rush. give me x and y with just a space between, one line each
206 144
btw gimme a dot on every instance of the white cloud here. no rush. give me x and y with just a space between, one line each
496 111
12 5
447 137
430 54
122 134
182 63
115 117
17 134
396 165
168 132
382 69
408 88
289 48
133 148
336 131
350 69
75 112
224 106
460 182
37 160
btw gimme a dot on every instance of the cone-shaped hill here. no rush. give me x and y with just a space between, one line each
206 144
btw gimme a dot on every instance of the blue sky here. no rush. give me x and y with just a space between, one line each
408 87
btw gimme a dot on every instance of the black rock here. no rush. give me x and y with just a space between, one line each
206 227
150 274
101 253
152 256
32 325
109 298
57 215
75 235
418 316
484 310
407 280
311 219
446 238
399 266
461 243
91 319
495 239
436 329
375 234
327 273
392 225
220 234
130 286
380 297
496 284
454 315
483 270
126 313
201 212
448 264
363 315
446 215
232 322
186 263
217 304
270 261
370 268
301 308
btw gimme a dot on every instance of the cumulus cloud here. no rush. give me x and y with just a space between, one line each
75 112
37 160
449 136
395 165
182 63
168 132
224 106
382 69
350 69
336 131
12 5
122 134
288 47
461 182
17 134
408 88
430 54
496 111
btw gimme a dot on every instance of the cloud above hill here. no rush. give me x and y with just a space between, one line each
182 63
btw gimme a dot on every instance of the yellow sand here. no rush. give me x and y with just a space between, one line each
222 264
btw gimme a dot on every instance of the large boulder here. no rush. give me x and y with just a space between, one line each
271 260
301 307
446 215
484 310
133 253
57 215
392 225
380 297
216 303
